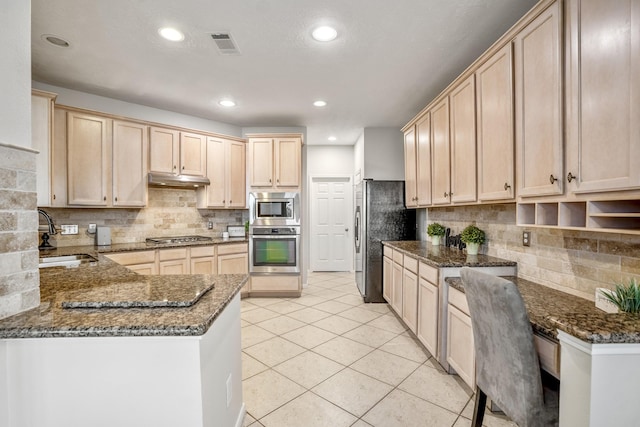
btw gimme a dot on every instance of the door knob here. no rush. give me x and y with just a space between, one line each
571 177
506 186
346 229
552 179
446 194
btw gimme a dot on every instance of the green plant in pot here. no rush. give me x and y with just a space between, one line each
473 237
625 297
435 231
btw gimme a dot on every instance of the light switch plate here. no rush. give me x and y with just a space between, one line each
69 229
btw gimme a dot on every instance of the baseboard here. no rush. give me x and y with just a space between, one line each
241 415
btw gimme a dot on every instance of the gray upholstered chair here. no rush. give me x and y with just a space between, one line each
507 366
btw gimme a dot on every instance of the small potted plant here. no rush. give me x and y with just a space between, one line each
473 237
625 297
435 231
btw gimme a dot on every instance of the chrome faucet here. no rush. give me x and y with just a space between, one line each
52 230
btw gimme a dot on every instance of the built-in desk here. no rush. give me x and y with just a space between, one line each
599 355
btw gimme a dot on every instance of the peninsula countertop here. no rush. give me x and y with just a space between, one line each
551 310
60 284
442 256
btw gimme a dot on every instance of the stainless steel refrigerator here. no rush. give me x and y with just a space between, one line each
380 215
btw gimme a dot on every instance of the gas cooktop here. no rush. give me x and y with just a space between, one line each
178 239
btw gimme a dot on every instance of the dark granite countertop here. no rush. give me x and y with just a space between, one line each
139 246
442 256
60 284
551 310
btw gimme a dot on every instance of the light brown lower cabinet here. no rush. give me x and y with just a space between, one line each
460 353
142 262
428 313
173 261
410 293
397 272
387 276
202 260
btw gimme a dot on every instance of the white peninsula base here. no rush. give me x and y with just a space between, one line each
598 383
164 381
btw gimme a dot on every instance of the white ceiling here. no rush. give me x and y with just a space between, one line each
389 60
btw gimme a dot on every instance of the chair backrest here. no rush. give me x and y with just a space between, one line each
507 367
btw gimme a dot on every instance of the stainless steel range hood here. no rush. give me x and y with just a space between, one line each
169 180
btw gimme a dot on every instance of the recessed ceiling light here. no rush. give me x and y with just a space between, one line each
227 103
324 33
320 103
332 138
171 34
55 40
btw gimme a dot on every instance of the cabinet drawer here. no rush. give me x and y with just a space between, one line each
235 248
397 257
429 273
202 251
387 251
548 353
411 264
459 300
171 254
275 283
130 258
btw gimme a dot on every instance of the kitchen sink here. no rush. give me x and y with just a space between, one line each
68 261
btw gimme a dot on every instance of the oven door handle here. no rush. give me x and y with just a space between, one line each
277 236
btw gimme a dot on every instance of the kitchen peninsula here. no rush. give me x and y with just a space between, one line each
155 350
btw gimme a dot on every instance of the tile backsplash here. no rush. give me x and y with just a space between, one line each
169 212
19 276
576 262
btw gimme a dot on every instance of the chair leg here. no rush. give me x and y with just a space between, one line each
478 410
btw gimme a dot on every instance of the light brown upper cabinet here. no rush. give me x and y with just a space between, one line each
171 151
129 164
89 159
410 172
440 153
41 140
603 95
226 169
538 99
423 164
275 161
463 142
496 157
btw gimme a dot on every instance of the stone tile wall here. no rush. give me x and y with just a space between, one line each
572 261
170 212
19 277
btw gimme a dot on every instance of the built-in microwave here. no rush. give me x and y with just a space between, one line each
266 209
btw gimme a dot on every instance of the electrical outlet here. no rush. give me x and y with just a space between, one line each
69 229
526 238
210 225
229 391
92 229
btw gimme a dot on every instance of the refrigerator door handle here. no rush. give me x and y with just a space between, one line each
357 229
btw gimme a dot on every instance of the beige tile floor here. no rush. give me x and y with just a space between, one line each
326 359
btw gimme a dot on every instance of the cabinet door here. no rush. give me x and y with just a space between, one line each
261 162
428 316
387 279
89 160
538 99
410 299
288 162
192 154
494 97
163 150
603 95
59 159
129 164
144 269
216 172
440 152
463 142
233 264
460 352
176 266
236 167
41 140
396 298
410 173
423 166
203 265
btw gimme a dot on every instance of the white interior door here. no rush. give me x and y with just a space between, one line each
330 217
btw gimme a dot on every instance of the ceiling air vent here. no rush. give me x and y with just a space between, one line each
225 43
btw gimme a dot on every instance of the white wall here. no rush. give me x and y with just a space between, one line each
102 104
358 157
15 73
383 154
324 160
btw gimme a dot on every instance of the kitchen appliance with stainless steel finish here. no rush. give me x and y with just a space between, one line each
274 209
380 215
274 250
177 239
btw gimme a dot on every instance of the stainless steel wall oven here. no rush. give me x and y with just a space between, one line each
274 249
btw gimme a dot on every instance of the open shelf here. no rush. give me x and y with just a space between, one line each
573 214
526 214
547 214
